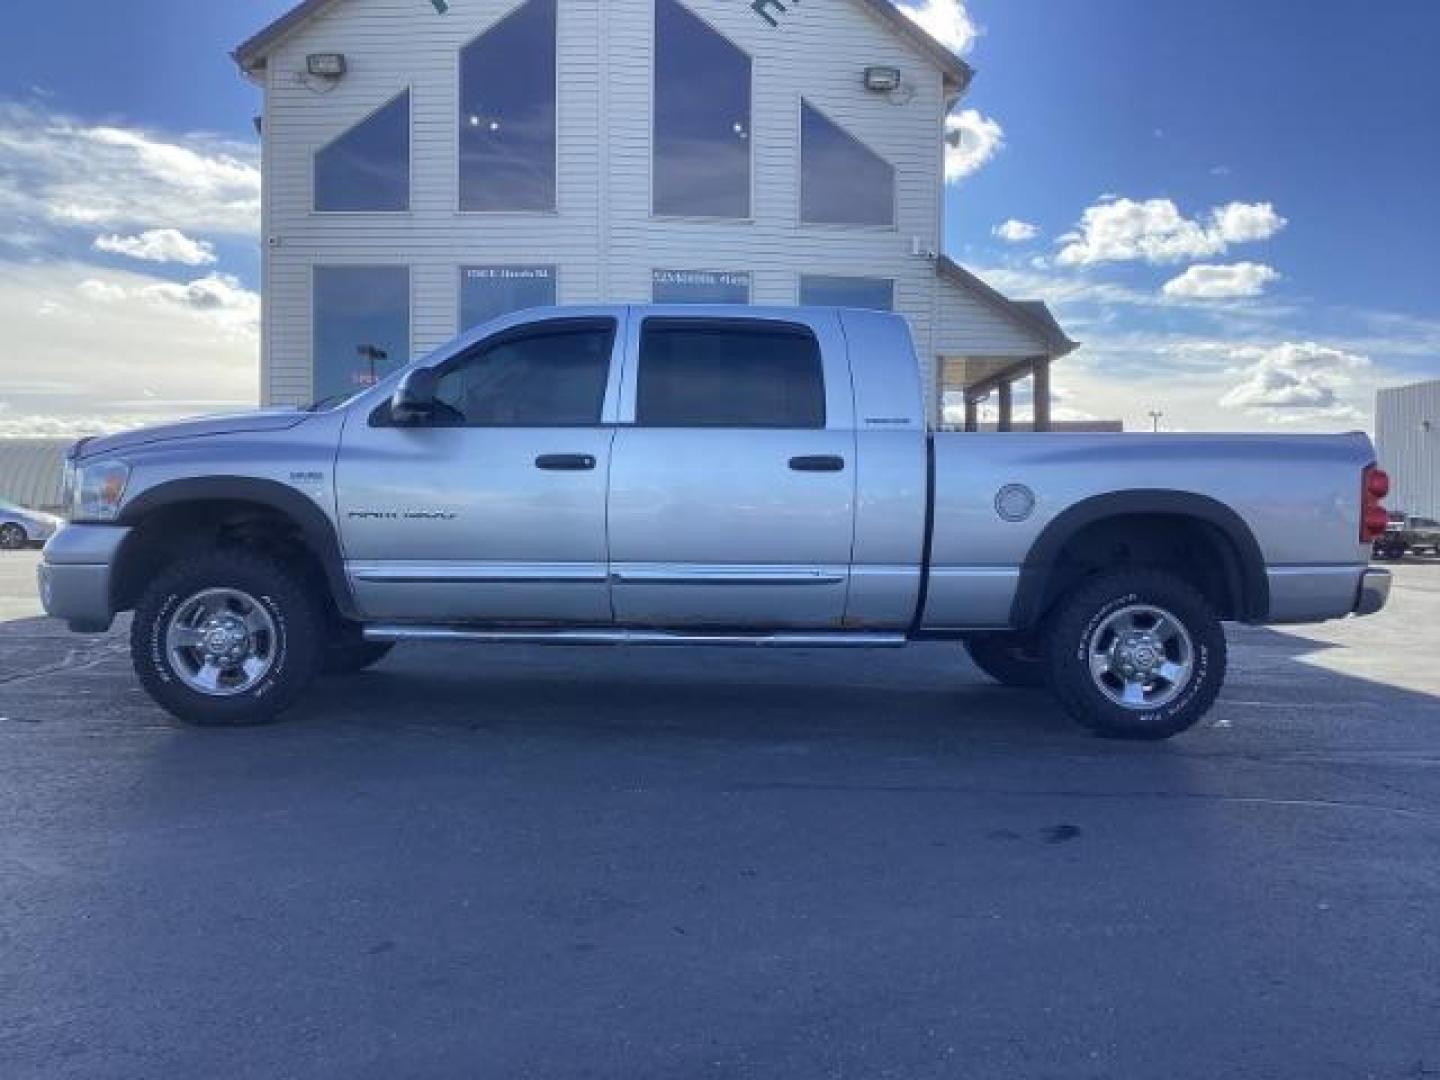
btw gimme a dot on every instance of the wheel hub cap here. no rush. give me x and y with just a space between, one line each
1141 657
221 642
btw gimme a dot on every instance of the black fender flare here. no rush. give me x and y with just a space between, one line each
1247 578
315 526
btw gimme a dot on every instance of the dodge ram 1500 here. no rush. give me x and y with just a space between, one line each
728 476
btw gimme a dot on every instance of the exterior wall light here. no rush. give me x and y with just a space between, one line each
882 80
325 65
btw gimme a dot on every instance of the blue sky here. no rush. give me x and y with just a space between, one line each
1229 203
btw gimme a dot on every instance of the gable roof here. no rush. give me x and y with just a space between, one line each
1034 315
252 53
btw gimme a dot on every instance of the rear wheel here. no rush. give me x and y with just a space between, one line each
226 638
1009 659
1136 654
12 536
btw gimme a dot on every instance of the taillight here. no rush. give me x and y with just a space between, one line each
1374 518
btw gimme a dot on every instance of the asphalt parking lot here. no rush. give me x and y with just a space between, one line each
514 862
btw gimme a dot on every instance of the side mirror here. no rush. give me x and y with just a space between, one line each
414 399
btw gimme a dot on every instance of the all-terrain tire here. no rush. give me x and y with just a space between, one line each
1074 630
1009 659
293 608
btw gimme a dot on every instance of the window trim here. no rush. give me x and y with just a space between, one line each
554 209
576 324
749 276
460 269
749 218
722 323
844 226
408 88
315 322
800 289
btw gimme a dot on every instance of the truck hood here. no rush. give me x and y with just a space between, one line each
200 427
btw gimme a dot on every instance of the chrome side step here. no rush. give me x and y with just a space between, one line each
780 639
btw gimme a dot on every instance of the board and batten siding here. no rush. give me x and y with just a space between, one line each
602 237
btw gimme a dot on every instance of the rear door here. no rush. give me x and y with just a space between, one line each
495 511
732 480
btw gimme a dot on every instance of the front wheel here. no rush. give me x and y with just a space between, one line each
12 536
226 638
1136 654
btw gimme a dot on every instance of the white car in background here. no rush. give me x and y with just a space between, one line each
20 527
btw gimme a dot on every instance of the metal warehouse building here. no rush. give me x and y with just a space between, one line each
1407 431
30 471
429 165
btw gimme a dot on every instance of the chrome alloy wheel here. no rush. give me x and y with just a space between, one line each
221 642
1141 657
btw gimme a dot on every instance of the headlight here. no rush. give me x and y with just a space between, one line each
94 490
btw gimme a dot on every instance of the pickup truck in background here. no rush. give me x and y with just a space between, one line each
1405 534
726 476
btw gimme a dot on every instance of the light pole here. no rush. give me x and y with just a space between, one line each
1155 416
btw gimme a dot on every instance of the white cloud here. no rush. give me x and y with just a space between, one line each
947 21
971 140
1294 381
61 173
1015 231
1155 231
1207 281
160 245
91 349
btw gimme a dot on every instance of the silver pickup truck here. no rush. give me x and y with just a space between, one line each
702 476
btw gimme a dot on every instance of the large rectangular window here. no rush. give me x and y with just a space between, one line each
549 375
702 118
706 373
361 326
507 113
822 290
487 292
700 287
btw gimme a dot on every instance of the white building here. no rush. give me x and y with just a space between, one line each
1407 434
428 164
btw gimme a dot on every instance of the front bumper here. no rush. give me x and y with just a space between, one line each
75 572
1374 591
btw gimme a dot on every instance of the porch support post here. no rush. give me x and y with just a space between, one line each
1007 406
972 414
1042 394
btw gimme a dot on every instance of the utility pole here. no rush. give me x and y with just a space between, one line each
1155 416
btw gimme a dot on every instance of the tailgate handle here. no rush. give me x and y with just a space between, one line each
565 462
818 463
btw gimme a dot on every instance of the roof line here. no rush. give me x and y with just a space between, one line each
1034 315
251 53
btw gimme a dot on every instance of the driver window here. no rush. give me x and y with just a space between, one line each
547 378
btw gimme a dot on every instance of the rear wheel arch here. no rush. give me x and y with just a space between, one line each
1066 551
175 517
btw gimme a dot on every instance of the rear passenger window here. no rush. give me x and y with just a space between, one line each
551 377
738 375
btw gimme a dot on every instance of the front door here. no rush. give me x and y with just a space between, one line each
732 490
495 510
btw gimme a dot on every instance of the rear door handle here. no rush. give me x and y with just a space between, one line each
565 462
818 463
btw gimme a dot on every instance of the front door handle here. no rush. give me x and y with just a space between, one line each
565 462
818 463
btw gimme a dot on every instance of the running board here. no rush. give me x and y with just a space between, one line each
839 639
